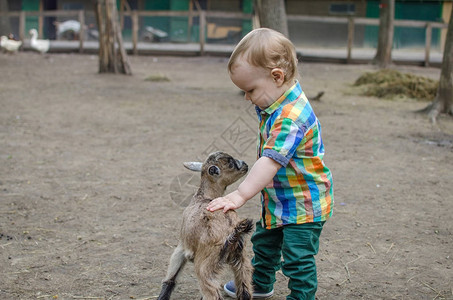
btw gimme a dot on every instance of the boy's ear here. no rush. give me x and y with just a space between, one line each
278 76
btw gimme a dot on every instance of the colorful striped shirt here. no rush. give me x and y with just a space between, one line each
302 190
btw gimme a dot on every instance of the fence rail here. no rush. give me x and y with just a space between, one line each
203 15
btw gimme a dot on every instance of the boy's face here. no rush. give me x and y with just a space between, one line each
257 83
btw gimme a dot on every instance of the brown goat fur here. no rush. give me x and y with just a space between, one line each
212 240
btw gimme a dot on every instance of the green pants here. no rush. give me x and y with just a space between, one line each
298 244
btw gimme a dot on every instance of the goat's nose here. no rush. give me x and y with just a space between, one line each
240 163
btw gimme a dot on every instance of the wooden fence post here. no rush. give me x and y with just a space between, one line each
40 21
22 25
82 30
190 22
429 30
134 32
202 31
350 38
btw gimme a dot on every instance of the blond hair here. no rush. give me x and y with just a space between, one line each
268 49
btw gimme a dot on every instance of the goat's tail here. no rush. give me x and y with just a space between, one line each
235 241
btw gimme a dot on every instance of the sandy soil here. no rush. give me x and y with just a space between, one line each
92 186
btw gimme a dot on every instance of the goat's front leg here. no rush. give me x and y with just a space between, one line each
177 262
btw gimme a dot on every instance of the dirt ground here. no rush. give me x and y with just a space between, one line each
92 186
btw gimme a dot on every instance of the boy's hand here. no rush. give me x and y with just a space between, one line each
231 201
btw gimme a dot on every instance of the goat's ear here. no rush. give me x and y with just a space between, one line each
193 166
214 170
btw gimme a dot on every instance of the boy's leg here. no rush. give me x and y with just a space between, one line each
267 259
300 245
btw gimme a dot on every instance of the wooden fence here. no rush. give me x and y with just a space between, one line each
203 15
352 21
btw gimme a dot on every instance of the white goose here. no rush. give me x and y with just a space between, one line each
41 46
10 46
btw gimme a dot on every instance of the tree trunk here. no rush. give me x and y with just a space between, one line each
272 14
443 103
383 56
5 27
112 55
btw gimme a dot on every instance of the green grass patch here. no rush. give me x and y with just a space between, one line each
157 78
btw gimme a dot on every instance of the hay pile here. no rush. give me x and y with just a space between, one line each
391 84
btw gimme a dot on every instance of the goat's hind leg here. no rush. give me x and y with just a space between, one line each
242 270
177 262
207 272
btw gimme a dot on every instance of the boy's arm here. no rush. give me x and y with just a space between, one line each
259 176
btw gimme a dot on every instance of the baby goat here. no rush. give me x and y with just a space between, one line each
212 239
